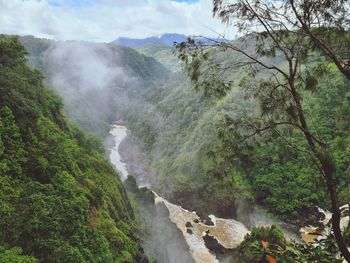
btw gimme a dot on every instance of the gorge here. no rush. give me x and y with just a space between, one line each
226 141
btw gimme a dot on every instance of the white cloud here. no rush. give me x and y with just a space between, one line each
104 20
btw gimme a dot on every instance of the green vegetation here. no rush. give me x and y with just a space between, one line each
162 53
13 255
265 244
61 201
281 178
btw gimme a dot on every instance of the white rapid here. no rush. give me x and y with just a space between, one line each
119 133
228 232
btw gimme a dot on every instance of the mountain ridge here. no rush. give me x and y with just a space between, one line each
168 39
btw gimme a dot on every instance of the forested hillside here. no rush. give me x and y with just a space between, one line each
61 201
162 53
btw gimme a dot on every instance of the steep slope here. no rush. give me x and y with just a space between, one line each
60 199
162 53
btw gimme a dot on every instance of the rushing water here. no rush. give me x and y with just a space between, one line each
119 133
228 233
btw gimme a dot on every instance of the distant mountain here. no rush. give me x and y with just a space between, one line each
167 39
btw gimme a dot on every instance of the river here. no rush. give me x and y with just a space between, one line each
195 232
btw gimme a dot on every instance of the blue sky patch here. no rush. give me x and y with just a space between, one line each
186 1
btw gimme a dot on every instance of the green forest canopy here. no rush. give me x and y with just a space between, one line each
61 201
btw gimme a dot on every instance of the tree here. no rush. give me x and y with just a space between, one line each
268 244
12 155
12 53
14 255
262 243
285 33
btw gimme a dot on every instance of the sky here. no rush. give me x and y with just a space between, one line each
105 20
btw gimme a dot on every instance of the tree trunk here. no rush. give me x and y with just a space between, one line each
337 231
328 169
348 173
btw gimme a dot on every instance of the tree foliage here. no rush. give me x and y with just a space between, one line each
60 199
264 244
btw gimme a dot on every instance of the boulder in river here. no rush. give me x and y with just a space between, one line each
188 224
212 244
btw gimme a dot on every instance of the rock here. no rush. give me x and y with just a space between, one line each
212 244
141 257
208 221
188 224
311 216
189 231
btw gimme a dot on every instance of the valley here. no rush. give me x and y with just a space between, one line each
173 129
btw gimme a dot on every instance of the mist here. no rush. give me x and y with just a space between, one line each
90 80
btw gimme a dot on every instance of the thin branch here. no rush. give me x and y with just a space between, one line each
320 43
